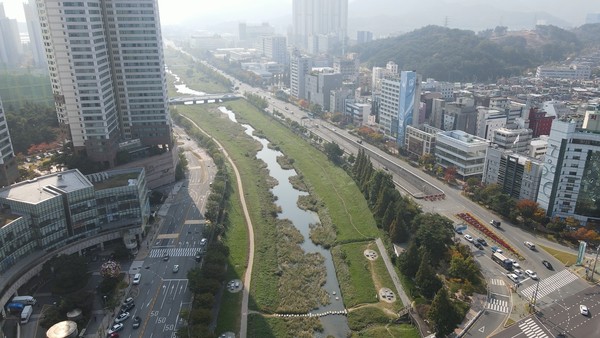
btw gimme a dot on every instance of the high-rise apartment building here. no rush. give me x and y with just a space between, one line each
9 172
10 42
313 18
300 66
275 48
36 44
106 66
364 37
399 104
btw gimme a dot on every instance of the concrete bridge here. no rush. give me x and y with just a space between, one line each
208 98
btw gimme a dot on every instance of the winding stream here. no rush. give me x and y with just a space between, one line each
287 197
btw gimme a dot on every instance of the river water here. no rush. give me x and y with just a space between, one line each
287 198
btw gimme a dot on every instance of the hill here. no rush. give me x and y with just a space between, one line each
462 55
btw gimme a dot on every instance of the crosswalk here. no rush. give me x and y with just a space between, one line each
549 285
174 252
497 305
496 281
531 329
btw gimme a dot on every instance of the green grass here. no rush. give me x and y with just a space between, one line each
236 238
192 76
384 278
566 258
266 327
354 274
364 317
345 204
391 331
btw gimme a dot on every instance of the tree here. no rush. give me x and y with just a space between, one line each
450 174
426 279
556 224
442 314
334 152
427 161
67 272
433 232
408 262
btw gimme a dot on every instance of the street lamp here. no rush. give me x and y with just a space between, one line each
595 260
534 296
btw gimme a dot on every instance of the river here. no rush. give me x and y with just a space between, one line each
287 198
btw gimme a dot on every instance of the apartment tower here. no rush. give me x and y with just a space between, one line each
9 172
106 66
314 19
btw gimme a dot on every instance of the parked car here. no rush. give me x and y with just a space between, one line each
128 301
469 238
531 274
115 328
482 241
122 317
136 322
126 308
584 310
547 265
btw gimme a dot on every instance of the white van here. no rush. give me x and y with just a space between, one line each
136 278
530 245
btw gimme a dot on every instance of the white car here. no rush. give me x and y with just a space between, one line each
584 310
469 238
518 272
203 241
531 274
513 277
137 278
122 317
515 264
115 328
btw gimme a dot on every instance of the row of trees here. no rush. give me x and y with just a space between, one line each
205 283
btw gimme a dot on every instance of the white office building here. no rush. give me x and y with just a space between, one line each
300 66
576 71
106 66
461 150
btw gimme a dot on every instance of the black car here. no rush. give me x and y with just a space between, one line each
548 265
136 322
198 256
481 241
166 257
127 307
478 245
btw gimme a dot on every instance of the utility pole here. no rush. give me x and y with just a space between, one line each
595 260
534 297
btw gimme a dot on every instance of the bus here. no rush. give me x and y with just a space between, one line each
502 260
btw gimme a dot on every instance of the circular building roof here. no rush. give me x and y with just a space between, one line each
66 329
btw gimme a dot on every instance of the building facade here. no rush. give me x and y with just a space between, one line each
574 71
399 104
516 140
517 175
364 36
275 48
106 65
49 212
10 42
570 184
314 18
461 150
319 87
9 170
300 66
36 43
421 140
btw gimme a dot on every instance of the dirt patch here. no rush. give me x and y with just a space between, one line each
387 295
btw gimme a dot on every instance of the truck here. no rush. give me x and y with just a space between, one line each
26 314
27 300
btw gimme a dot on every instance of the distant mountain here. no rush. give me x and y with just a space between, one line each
462 55
384 17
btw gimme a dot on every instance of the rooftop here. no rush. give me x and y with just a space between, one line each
117 180
43 188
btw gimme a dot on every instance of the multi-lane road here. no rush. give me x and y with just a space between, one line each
163 292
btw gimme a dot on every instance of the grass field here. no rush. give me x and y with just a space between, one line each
193 76
564 257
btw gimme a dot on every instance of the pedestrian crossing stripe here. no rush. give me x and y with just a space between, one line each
497 305
531 329
174 252
495 281
549 285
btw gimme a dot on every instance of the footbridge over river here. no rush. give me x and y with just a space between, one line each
208 98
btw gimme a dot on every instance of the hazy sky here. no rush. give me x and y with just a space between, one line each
256 11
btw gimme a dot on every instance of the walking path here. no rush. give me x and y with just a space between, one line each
248 276
388 264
